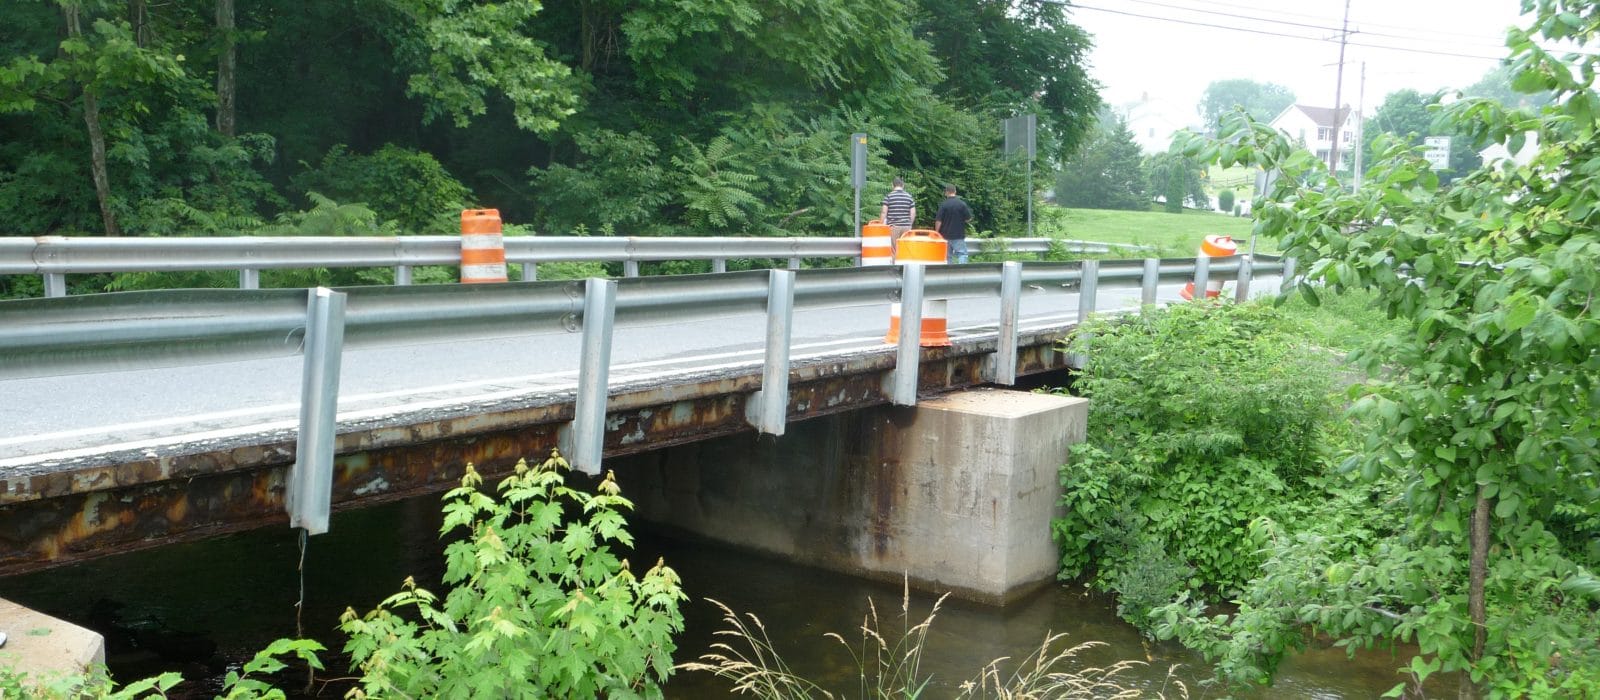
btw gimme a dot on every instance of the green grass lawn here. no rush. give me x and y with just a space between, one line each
1174 235
1239 178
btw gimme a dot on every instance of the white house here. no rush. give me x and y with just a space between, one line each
1495 152
1155 121
1314 127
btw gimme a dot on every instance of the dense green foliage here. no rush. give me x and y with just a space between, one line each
243 684
540 605
1225 200
1263 101
1480 442
1202 419
1106 173
598 116
1405 115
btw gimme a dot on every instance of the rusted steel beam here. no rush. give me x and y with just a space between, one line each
128 502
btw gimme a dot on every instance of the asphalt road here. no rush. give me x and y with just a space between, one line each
56 418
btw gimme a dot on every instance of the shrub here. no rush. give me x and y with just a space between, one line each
401 184
540 605
1225 200
242 684
1203 417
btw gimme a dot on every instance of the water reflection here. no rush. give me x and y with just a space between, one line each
201 606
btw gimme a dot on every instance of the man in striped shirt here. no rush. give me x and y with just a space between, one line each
899 210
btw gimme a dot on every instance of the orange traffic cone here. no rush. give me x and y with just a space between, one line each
923 247
876 245
483 249
1211 247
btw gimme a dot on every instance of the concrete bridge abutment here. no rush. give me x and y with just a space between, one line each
956 493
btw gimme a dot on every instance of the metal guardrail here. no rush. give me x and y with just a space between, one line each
129 330
54 257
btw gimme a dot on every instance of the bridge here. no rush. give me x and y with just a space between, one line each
142 418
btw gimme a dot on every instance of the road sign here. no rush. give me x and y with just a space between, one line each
858 172
858 160
1020 140
1438 153
1020 135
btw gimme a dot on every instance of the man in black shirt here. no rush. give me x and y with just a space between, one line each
951 222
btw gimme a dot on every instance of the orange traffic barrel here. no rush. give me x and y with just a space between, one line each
483 248
876 244
1211 247
923 247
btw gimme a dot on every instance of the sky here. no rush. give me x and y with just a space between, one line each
1162 49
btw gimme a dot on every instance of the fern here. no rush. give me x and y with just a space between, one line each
716 194
327 217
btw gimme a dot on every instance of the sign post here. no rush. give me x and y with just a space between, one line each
1019 131
1438 153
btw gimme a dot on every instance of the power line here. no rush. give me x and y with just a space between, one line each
1494 41
1194 23
1236 16
1324 27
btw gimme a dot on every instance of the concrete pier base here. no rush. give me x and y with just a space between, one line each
45 647
957 493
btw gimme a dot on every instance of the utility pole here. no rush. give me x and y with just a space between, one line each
1361 126
1338 94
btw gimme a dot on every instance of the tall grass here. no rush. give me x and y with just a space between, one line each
1341 322
890 665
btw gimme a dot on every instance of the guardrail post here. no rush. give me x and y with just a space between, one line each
583 440
1002 367
1147 284
55 284
402 275
1288 276
1202 275
768 408
794 263
530 271
249 278
1088 285
719 265
903 380
1241 290
309 490
630 268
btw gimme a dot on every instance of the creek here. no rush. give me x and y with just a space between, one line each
203 608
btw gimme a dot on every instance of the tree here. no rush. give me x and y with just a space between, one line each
1023 54
1262 100
1496 85
1106 173
1486 419
461 54
227 66
99 62
1409 116
511 99
1177 178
